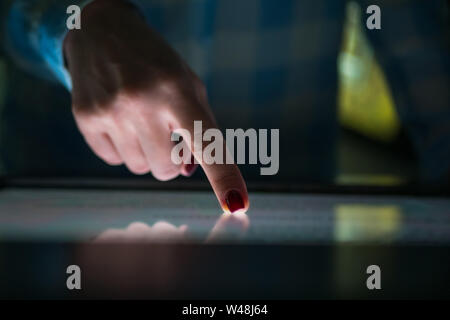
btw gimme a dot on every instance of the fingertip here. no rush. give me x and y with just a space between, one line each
113 161
236 201
166 175
229 187
139 168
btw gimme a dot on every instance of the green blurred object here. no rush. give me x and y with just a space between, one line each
367 222
364 99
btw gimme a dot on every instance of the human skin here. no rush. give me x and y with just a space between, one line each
131 90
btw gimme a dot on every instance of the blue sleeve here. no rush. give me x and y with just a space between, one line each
35 30
412 46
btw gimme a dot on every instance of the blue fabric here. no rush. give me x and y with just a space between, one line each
36 30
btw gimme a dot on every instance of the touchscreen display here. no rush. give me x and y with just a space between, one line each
147 216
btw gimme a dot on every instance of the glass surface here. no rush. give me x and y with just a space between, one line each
114 215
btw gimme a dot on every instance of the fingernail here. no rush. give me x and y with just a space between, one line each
234 201
190 167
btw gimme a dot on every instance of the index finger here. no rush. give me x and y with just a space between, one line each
224 177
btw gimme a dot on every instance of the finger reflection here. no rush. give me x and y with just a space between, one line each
229 227
161 231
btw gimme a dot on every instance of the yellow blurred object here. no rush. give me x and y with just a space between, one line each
370 179
364 98
355 222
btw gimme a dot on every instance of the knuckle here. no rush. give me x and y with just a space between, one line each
166 174
93 119
112 159
82 113
169 84
138 168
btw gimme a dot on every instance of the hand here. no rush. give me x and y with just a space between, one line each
131 91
